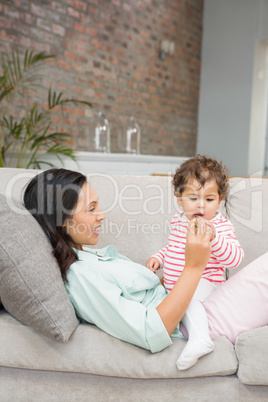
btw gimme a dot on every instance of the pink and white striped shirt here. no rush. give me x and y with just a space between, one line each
226 251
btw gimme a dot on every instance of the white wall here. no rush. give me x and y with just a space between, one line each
232 30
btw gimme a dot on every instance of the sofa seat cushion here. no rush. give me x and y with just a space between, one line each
251 349
31 287
92 351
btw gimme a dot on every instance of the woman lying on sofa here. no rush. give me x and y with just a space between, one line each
107 289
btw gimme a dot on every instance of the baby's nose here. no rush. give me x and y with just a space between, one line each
201 203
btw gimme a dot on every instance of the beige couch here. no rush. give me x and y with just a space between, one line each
93 366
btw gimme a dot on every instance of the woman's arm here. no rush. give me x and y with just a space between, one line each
197 252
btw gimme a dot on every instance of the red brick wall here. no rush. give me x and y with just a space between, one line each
107 53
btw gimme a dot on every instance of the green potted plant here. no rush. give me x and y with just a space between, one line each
31 135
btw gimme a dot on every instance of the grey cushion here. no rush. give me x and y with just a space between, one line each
31 287
251 349
92 351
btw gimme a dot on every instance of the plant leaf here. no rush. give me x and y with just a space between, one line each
14 76
55 100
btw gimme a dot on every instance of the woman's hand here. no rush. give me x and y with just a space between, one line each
153 264
197 248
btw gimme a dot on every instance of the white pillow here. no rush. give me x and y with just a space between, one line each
241 303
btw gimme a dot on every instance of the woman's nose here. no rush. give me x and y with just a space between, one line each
100 215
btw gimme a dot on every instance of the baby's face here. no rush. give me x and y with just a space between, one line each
200 201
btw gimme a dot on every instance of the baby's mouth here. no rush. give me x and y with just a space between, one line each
198 215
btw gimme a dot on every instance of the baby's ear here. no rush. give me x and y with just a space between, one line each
179 201
222 198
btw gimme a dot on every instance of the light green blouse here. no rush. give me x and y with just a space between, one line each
118 296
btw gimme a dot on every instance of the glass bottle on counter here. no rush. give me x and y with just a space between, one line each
133 137
102 133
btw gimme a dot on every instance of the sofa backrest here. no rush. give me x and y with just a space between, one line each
139 210
249 215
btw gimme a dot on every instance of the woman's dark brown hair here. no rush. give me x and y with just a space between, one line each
203 169
51 197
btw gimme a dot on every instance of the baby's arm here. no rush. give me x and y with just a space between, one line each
226 247
213 230
157 260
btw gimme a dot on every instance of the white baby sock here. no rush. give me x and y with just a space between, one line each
195 321
193 351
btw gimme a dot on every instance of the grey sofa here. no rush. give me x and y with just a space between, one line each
90 365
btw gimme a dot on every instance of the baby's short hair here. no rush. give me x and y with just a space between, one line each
203 169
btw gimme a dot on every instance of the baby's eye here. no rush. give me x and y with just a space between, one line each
193 198
210 199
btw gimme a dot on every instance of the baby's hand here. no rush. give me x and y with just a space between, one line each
213 231
153 264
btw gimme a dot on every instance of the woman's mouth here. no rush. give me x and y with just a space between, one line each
96 231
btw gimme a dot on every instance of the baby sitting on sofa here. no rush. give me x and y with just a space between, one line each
200 184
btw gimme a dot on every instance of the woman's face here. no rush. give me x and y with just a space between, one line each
84 225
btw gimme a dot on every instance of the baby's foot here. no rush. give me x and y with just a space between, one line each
192 352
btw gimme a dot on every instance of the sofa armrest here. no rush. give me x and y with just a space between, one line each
251 350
